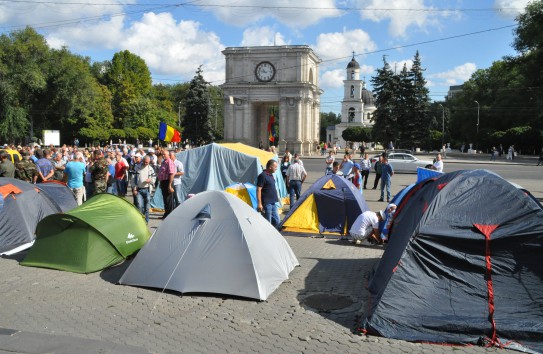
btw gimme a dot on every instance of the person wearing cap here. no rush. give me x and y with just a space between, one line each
296 175
153 158
142 190
365 229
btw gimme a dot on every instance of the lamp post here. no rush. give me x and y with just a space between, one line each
477 136
179 114
442 127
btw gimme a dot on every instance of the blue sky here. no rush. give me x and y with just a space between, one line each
454 38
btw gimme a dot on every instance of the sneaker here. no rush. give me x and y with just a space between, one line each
374 188
365 243
381 200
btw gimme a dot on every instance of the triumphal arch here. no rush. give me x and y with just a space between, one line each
272 96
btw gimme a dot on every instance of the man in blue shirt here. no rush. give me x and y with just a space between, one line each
75 171
386 178
267 194
45 167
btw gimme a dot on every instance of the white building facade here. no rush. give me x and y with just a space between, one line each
357 106
282 79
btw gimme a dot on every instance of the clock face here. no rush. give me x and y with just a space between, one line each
265 71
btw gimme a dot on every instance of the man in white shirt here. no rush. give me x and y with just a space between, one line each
438 164
366 226
177 186
365 165
145 177
296 175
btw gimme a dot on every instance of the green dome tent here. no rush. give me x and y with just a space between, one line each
95 235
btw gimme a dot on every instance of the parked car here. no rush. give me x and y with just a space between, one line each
403 162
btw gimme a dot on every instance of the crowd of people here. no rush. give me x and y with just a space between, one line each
110 169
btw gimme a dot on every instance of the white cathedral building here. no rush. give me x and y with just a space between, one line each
357 106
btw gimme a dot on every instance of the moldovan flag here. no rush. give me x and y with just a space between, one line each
168 134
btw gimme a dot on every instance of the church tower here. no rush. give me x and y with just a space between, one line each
357 106
352 107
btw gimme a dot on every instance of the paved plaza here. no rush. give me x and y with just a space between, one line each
49 311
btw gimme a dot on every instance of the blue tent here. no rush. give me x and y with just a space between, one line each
214 167
330 205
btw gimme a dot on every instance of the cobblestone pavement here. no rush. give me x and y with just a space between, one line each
49 311
62 312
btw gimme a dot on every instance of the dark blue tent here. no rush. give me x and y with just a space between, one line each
462 265
59 193
330 205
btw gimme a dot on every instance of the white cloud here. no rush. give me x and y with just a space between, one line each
262 36
245 12
340 45
44 15
402 14
176 49
455 76
332 78
104 34
510 8
397 66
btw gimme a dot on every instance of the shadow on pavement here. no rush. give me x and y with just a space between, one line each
113 274
336 289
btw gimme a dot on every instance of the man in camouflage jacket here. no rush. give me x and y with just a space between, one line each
26 170
99 172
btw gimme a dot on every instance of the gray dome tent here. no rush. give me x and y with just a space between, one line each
214 243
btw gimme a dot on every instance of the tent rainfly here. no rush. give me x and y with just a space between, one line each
97 234
22 206
463 265
214 243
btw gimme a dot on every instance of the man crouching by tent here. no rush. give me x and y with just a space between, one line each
267 194
365 229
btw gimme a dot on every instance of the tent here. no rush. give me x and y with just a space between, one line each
59 193
97 234
330 205
22 206
214 243
463 265
245 192
214 167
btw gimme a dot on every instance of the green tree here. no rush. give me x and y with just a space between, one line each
24 58
326 120
129 79
385 89
196 123
357 134
416 126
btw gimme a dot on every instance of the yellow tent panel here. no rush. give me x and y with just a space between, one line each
305 218
263 156
329 185
241 193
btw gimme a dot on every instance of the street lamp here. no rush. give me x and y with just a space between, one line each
179 115
442 127
477 136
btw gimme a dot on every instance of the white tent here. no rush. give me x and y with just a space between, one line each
214 243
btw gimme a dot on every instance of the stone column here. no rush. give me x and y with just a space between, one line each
297 138
282 125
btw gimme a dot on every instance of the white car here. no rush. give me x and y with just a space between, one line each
403 162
